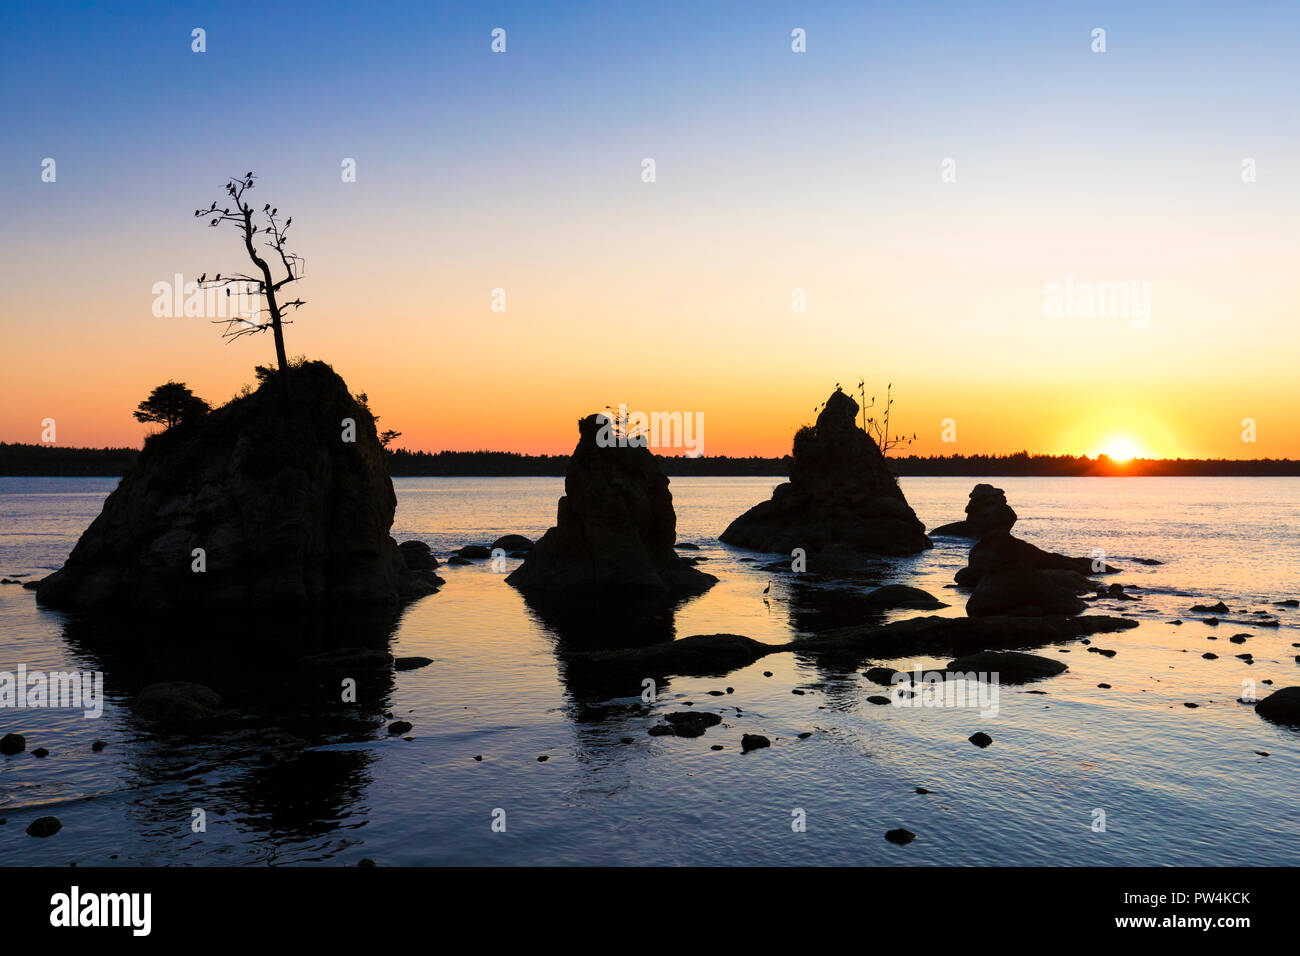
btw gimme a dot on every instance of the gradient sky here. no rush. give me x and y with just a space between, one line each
775 170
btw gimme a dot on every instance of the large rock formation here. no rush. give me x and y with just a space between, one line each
1012 576
841 502
290 508
614 528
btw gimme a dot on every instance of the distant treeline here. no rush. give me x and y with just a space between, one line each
18 459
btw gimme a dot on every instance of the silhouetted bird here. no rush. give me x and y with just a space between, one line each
768 588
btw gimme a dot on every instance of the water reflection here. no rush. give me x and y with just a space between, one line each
268 761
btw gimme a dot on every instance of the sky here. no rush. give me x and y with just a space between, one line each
932 176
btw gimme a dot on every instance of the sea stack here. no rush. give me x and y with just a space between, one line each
614 528
841 503
279 501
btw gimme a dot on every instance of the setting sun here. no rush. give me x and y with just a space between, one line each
1121 448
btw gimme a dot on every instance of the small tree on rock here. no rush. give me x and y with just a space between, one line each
171 404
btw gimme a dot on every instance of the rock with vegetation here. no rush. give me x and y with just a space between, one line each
841 503
614 529
279 501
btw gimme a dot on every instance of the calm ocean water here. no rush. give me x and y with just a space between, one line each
1178 786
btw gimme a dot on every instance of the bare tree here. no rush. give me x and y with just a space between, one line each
240 212
879 429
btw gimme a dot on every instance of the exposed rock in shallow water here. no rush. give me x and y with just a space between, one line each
1281 706
289 514
750 742
44 826
1011 576
987 511
11 744
418 556
901 596
613 673
1021 590
614 529
691 723
512 542
1011 667
900 836
841 503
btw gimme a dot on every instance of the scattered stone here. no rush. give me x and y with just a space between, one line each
881 675
40 752
1218 608
1104 686
44 826
1191 705
398 727
543 758
1239 638
877 700
686 546
1289 602
691 723
1103 651
980 739
411 663
900 836
805 735
1210 657
753 742
921 790
717 747
98 746
11 744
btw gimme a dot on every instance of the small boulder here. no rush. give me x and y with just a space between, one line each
900 836
753 742
11 744
1281 706
44 826
512 542
980 739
